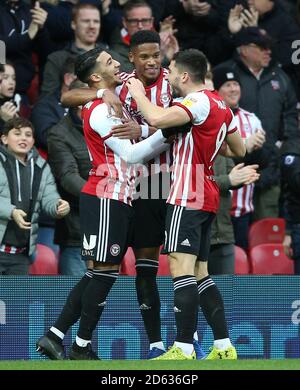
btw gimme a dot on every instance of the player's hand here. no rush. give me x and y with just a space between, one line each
241 174
135 87
62 208
255 141
18 216
129 129
113 103
8 111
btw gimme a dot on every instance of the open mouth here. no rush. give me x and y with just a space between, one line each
22 145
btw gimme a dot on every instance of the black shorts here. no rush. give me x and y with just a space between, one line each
106 229
188 231
150 211
149 223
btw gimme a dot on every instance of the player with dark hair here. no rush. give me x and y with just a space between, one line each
147 238
105 208
194 196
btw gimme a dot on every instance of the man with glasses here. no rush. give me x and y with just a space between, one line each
268 92
137 17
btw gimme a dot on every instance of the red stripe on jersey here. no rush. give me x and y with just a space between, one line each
159 93
110 176
193 185
242 198
185 109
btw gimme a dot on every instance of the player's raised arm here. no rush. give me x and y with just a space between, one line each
80 96
156 116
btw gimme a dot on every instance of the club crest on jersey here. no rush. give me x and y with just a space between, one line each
165 98
275 85
115 249
289 160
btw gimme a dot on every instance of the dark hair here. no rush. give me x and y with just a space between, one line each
132 4
86 62
194 62
16 123
69 65
144 36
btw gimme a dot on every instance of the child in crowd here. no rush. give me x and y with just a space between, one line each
27 187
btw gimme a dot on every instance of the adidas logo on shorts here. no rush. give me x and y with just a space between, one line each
185 242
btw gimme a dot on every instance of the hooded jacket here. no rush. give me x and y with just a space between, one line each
32 187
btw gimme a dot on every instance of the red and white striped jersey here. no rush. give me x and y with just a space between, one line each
159 93
193 185
242 198
110 176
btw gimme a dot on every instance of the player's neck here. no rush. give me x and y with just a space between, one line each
193 88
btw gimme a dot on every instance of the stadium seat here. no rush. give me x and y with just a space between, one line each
241 263
270 259
128 265
266 231
163 268
46 262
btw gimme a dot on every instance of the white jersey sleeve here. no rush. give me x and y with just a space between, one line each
197 105
102 122
233 126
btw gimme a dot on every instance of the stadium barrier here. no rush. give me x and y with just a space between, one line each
263 314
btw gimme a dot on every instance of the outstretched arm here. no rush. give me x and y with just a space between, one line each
78 97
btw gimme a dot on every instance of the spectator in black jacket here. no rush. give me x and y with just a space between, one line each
268 92
48 111
22 30
70 164
290 176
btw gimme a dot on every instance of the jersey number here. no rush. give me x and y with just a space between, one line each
220 138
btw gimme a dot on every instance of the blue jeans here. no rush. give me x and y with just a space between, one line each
296 246
70 262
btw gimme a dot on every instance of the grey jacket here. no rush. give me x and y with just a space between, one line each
44 193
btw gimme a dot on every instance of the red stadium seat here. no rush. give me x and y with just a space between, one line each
128 265
163 268
46 262
270 259
266 231
241 263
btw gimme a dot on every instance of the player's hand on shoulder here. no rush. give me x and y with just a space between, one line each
113 103
135 87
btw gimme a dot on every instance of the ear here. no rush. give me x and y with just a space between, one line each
95 78
73 25
124 23
185 77
4 139
130 57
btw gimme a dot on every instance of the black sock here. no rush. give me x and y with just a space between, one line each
70 313
148 297
185 307
211 303
93 301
